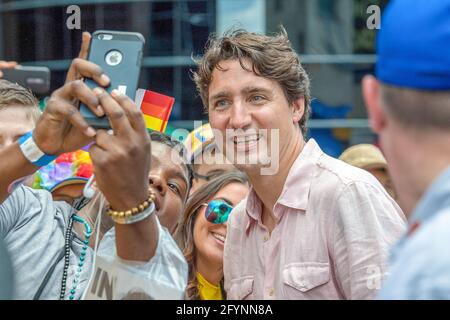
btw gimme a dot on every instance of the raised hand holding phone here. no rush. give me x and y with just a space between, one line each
121 161
119 55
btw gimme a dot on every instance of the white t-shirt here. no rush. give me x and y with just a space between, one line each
33 227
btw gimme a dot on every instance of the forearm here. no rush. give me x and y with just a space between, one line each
13 165
137 241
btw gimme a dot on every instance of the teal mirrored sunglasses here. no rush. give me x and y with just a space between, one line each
217 211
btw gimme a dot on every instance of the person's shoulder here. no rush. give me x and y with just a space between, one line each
27 199
344 173
359 198
434 234
421 263
238 217
31 194
241 206
429 244
342 183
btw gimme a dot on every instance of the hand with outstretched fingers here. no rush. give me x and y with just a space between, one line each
122 160
74 73
62 128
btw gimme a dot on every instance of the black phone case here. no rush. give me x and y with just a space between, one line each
126 73
37 79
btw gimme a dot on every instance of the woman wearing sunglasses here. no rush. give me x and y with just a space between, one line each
202 232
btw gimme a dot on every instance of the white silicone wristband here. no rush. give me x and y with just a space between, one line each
32 152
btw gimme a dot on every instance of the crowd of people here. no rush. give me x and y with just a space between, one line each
203 219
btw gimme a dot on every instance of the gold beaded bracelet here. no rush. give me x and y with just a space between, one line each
134 211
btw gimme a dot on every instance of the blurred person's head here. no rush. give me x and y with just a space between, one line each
249 82
370 158
206 159
19 112
409 100
203 227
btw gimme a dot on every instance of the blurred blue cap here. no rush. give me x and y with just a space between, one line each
413 44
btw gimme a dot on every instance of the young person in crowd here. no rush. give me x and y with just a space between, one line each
19 112
203 230
172 177
49 242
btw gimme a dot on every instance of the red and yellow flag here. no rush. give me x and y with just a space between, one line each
156 109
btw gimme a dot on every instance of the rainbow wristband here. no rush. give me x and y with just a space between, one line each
32 152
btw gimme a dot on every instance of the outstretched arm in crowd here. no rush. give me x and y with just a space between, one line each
121 165
121 161
126 236
14 165
60 129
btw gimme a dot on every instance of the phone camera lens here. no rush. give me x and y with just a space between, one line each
113 58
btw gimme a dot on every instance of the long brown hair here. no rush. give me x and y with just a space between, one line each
184 234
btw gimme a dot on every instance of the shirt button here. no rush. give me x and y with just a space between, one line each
266 238
271 292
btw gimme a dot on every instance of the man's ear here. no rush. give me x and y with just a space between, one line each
298 109
371 90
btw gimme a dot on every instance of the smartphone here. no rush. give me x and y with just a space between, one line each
119 54
37 79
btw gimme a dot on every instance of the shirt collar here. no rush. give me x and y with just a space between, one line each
295 191
436 197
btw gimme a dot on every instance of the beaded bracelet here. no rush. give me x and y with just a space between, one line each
136 214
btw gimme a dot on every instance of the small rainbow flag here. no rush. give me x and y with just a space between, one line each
155 107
